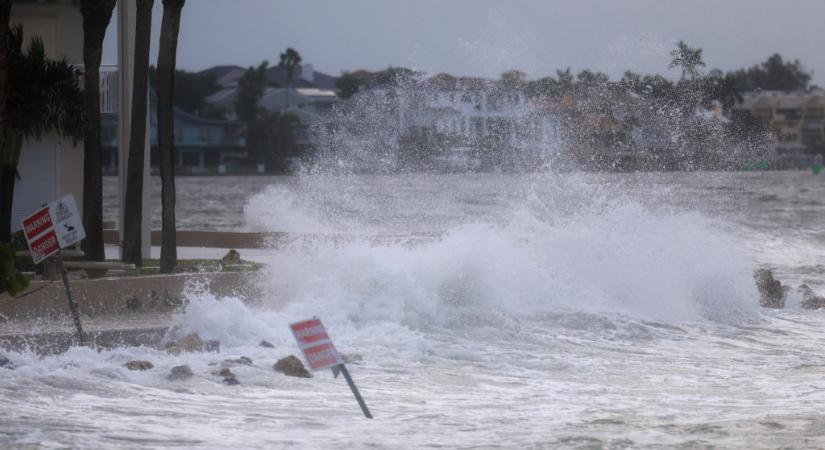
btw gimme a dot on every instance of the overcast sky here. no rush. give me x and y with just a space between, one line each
487 37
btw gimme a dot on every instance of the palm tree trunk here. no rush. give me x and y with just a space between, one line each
96 17
6 175
167 51
132 217
12 144
7 180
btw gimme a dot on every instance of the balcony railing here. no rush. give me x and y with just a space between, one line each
108 89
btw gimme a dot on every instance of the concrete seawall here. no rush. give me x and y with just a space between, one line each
115 311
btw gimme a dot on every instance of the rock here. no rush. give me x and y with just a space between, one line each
4 362
291 366
242 361
133 304
229 377
809 298
231 257
189 343
139 365
352 358
266 344
180 373
212 346
173 302
771 292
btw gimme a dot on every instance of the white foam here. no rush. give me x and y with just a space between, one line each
623 259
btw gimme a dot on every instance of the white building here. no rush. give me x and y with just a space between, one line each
53 167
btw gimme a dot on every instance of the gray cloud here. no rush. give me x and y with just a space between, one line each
486 37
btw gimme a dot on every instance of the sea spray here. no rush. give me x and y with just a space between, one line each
623 260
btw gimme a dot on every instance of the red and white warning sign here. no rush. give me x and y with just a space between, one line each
55 226
314 341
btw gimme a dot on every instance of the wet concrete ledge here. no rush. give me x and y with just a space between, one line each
257 240
125 311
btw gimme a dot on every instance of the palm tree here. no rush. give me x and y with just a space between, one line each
137 140
41 96
167 50
688 59
96 17
290 59
5 14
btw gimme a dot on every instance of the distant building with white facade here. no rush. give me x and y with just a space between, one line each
798 118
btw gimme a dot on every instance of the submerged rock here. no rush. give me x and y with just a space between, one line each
226 373
4 362
352 358
291 366
242 361
180 373
771 292
231 381
229 377
212 346
809 298
139 365
266 344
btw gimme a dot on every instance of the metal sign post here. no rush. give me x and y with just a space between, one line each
54 226
320 353
73 307
355 392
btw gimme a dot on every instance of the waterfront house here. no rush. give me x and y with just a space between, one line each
797 118
309 98
201 145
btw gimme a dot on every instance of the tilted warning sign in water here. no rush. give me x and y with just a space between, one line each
320 353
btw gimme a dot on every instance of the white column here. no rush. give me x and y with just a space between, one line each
126 16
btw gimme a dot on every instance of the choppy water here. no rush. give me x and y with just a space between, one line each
574 311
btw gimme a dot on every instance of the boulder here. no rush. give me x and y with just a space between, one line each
4 362
180 373
809 298
242 361
266 344
231 257
188 343
139 365
291 366
771 292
